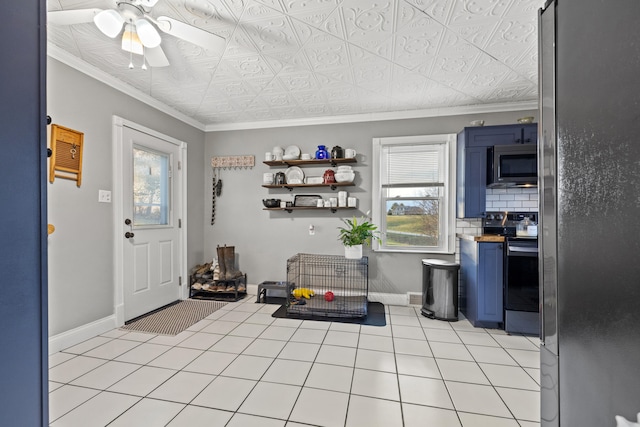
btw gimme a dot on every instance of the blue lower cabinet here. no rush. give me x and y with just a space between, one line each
481 283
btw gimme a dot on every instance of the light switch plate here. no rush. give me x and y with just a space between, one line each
104 196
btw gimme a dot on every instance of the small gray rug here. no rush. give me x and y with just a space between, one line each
175 318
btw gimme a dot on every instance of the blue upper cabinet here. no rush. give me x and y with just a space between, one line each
472 162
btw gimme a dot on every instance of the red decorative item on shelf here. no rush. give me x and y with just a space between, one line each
329 176
328 296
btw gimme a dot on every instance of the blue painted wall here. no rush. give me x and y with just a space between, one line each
23 249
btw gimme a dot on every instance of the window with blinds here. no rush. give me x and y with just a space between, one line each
412 200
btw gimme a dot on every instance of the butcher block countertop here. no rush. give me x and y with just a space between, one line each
481 238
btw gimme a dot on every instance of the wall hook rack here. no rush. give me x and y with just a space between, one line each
233 162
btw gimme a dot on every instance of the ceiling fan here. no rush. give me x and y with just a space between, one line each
140 35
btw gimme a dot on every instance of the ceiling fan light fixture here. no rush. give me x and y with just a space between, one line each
130 40
147 33
109 22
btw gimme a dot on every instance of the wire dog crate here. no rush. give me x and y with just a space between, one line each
347 279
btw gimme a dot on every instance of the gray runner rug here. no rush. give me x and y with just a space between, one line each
175 318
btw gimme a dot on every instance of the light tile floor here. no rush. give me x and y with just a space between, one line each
240 367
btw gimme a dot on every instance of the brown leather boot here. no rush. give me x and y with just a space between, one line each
229 263
220 251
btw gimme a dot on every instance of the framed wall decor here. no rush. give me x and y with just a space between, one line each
66 154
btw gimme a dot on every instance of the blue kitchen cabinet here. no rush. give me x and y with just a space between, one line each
472 162
481 283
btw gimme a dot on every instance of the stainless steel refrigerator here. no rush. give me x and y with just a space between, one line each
589 211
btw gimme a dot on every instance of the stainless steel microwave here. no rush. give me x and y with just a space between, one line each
512 165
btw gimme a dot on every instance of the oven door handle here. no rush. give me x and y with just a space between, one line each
522 251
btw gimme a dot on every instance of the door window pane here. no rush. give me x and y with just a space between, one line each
150 188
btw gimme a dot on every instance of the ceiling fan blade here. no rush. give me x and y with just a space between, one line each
190 33
155 57
71 17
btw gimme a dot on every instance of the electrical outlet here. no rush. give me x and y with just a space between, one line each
104 196
312 230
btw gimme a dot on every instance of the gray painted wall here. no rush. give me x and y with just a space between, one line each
81 250
81 260
265 240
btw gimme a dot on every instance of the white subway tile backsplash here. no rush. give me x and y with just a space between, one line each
497 190
508 199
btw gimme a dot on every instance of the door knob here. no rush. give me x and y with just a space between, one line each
128 234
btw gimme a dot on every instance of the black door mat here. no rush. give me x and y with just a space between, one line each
173 318
375 316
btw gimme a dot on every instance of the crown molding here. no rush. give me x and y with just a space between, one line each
375 117
73 61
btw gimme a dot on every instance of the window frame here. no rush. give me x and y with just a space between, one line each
378 208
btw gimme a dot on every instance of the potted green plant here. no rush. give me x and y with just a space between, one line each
355 234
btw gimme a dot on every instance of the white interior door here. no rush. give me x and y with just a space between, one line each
151 254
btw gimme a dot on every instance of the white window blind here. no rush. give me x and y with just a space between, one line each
411 165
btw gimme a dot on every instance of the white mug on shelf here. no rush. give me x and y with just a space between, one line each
350 153
268 156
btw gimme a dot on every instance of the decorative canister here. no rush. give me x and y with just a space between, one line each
329 177
337 152
280 178
322 152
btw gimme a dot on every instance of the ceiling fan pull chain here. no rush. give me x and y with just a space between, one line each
144 58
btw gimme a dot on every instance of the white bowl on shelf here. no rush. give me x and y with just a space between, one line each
345 176
313 180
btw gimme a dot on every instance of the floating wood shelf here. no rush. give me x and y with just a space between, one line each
292 186
301 208
332 162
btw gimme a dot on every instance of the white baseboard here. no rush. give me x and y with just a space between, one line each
82 333
388 299
252 289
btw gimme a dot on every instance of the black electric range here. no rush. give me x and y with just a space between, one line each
521 286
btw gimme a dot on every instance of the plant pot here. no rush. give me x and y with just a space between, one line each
353 252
